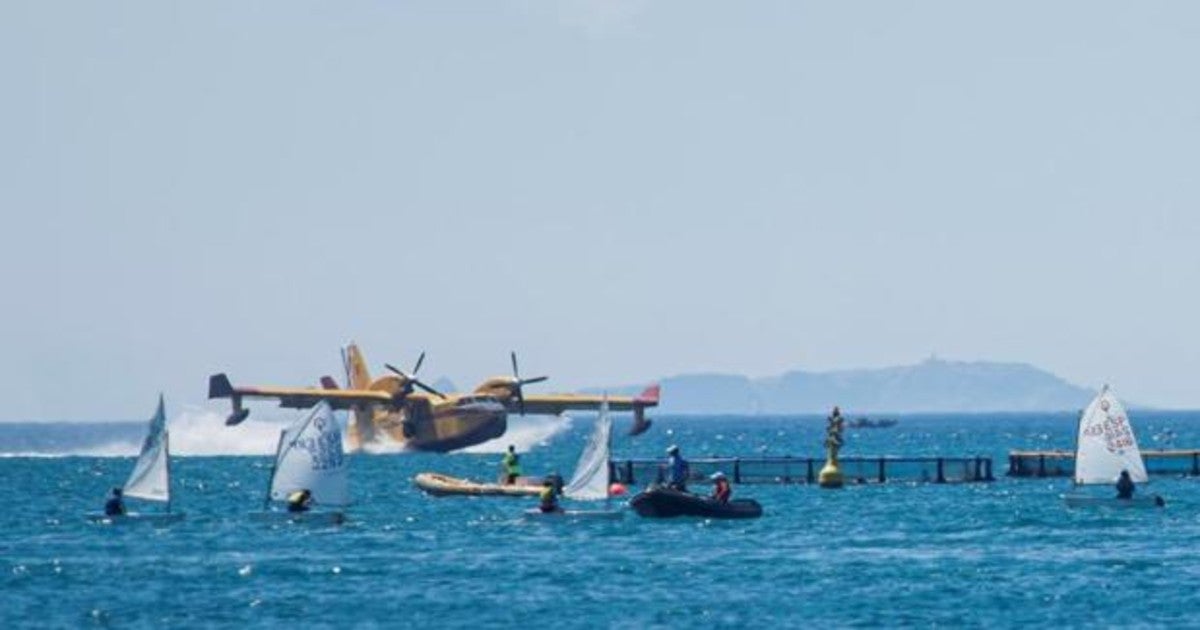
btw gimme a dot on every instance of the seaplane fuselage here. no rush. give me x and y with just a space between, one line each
445 426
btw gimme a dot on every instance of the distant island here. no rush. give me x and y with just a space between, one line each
931 386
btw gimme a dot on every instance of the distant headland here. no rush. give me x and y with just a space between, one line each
931 386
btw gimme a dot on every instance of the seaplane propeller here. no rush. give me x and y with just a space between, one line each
519 382
411 380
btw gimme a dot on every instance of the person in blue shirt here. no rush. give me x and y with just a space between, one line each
677 469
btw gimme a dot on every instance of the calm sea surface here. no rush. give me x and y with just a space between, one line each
1000 554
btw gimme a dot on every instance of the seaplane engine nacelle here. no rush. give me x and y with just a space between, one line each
501 387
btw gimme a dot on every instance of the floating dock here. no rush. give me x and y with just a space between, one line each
786 469
1062 463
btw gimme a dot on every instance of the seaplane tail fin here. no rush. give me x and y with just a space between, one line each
362 419
357 375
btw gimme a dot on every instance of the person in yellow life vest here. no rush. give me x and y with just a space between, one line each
548 497
300 501
511 465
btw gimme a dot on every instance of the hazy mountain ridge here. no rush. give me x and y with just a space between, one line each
934 385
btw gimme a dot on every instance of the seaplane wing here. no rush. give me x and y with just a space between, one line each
552 404
291 397
558 403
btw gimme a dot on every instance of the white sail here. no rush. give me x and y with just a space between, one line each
1105 445
151 476
310 457
590 481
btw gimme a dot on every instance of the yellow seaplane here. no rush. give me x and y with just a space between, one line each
389 409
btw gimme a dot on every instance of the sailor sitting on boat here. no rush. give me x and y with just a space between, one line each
548 497
115 506
721 488
678 468
1124 486
300 501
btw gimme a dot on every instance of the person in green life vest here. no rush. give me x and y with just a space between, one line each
511 465
548 497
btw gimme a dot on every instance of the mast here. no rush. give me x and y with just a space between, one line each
1078 426
274 465
167 454
607 459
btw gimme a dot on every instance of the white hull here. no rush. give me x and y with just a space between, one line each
440 485
157 519
300 518
571 515
1091 501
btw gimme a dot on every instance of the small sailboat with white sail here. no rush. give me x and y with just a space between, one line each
1105 447
309 480
590 481
150 479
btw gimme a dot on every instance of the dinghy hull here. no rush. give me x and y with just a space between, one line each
320 519
668 503
144 518
1087 501
440 485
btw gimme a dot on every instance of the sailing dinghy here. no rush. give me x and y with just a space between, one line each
1105 446
590 482
151 477
309 457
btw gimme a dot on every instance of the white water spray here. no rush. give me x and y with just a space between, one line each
197 431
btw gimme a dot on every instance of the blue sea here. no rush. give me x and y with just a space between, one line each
1000 554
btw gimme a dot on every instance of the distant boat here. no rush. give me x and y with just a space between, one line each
309 457
867 423
151 476
1105 446
590 481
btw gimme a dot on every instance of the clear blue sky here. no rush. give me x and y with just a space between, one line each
617 190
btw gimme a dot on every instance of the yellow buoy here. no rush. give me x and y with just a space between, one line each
831 474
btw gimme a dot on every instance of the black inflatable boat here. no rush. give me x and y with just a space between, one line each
663 502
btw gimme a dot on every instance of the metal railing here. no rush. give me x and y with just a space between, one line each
787 469
1062 463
